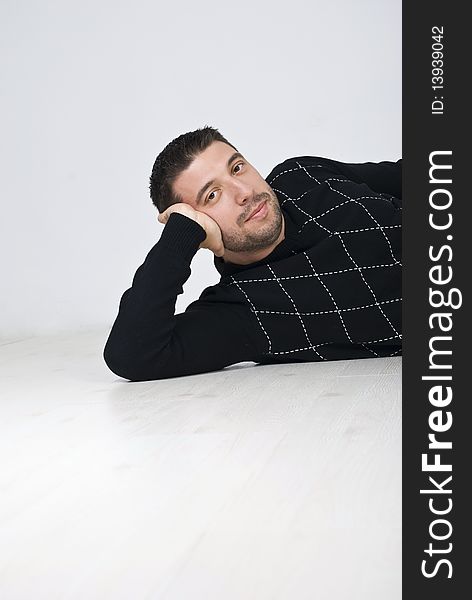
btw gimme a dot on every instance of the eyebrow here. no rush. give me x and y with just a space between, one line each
210 183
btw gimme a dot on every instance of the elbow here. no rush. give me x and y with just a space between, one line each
117 364
132 365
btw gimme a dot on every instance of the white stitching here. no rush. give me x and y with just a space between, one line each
393 337
367 229
352 200
309 275
327 312
293 200
368 286
255 313
297 313
359 269
330 295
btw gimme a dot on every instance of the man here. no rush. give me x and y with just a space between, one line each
310 263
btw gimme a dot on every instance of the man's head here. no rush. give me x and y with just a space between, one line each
202 169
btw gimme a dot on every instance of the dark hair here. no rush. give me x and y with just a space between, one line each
174 159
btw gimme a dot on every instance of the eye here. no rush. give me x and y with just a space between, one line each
210 197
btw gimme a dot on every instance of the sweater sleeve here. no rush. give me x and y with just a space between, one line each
382 177
148 341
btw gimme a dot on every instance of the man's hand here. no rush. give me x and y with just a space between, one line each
213 240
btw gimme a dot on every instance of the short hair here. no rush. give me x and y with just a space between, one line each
175 158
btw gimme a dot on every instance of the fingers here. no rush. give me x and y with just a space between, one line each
179 207
218 249
213 240
163 217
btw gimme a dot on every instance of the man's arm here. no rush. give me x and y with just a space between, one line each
382 177
148 341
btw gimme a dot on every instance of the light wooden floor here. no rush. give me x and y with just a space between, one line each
252 483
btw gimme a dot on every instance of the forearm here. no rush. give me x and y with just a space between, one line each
148 341
382 177
144 326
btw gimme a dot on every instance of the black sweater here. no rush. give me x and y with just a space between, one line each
330 290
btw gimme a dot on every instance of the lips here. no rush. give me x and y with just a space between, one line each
258 209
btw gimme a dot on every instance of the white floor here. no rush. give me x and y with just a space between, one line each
252 483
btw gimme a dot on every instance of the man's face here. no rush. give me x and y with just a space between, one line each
222 184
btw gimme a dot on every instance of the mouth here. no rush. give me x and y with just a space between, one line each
259 212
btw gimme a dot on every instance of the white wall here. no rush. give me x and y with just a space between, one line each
91 91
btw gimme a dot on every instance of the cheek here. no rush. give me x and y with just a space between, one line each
226 219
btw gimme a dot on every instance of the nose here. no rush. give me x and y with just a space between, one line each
243 193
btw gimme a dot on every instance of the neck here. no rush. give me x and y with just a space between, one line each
246 258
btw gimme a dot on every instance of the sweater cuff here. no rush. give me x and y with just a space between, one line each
182 236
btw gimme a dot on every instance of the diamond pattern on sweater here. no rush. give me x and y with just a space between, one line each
341 286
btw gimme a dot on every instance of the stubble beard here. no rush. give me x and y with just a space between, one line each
240 241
